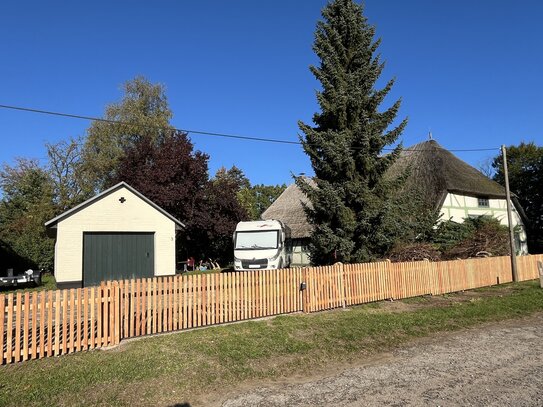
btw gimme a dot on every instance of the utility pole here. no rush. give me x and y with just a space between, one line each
509 216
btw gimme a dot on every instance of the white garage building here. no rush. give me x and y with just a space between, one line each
117 234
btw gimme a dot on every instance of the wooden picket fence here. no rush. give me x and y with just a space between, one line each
350 284
34 325
50 323
156 305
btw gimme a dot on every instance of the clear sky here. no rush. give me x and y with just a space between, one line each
471 71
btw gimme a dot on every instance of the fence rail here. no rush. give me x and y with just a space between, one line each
51 323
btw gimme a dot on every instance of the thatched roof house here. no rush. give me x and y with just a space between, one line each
434 172
456 189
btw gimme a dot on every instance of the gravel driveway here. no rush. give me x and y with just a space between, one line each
493 365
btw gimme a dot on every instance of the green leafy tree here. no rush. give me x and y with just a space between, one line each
143 113
233 176
27 203
525 165
65 167
257 198
354 211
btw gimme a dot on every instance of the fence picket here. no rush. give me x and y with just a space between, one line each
9 349
92 325
70 313
85 344
99 316
26 326
34 319
2 322
18 312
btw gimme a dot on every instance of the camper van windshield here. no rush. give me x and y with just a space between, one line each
257 240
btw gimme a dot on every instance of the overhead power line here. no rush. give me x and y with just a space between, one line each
188 131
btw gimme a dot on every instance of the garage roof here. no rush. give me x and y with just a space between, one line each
53 222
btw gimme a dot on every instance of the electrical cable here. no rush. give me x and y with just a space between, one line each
199 132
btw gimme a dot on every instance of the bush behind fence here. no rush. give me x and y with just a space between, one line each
50 323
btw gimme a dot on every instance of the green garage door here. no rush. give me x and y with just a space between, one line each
116 256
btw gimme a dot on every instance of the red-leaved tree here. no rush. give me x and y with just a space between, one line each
175 177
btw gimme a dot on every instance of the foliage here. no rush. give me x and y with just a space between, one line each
222 213
175 177
257 198
65 168
170 174
473 236
452 240
355 210
143 113
27 203
233 176
414 252
486 240
449 233
525 165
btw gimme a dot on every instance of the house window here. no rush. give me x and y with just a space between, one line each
482 202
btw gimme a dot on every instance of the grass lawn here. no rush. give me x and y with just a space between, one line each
177 368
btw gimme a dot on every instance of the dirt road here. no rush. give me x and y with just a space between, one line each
494 365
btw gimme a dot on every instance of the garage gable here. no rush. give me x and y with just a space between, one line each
120 187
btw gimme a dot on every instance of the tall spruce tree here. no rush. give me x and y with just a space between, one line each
353 209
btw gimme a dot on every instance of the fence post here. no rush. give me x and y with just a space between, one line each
540 269
304 287
116 292
341 275
391 279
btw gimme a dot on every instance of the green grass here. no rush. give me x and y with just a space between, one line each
175 368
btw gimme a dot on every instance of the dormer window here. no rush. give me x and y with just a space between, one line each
482 202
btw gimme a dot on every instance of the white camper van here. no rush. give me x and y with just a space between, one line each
261 244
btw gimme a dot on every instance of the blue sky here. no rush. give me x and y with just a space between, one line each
468 70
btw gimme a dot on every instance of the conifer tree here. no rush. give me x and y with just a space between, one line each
353 208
